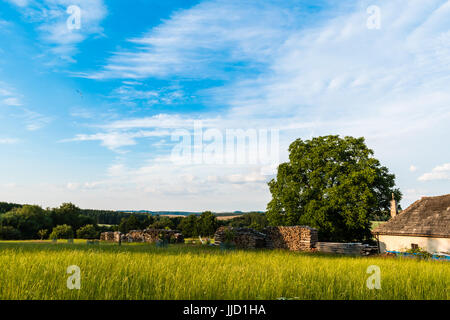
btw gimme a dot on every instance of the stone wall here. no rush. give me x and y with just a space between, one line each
147 235
243 238
153 235
296 238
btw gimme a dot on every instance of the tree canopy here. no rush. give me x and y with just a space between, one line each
333 184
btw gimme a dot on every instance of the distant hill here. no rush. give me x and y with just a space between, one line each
184 213
114 216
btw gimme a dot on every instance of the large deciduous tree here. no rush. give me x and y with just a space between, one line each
207 224
333 184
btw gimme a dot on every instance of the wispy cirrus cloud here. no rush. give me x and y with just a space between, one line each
51 18
19 3
9 96
12 101
203 41
9 140
115 140
34 120
135 94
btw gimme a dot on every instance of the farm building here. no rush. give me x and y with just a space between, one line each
424 224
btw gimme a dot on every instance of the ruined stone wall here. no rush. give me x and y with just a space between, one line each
296 238
243 238
147 235
153 235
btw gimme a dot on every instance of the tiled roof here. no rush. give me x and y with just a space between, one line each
429 216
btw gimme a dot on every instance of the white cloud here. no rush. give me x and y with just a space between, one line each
160 121
34 120
12 101
20 3
8 95
438 173
9 141
130 95
116 140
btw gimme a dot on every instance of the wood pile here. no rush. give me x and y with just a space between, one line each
340 248
294 238
110 236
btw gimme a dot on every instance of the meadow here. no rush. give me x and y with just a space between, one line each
33 270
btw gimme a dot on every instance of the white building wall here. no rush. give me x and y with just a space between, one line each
402 243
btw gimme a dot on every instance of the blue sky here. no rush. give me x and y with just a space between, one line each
87 115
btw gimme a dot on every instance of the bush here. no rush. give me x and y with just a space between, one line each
42 233
9 233
421 253
87 232
62 232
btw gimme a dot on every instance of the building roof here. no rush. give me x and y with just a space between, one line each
427 217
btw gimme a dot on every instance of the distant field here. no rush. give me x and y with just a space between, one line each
31 270
227 217
219 217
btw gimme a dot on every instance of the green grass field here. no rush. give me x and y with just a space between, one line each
31 270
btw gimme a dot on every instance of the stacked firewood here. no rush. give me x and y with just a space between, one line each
110 236
295 238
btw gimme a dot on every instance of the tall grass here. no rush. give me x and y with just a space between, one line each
142 271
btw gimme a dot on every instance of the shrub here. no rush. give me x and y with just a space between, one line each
420 252
42 233
87 232
62 232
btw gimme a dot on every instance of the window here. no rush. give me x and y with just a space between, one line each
414 246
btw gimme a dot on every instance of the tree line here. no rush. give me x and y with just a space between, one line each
34 222
20 222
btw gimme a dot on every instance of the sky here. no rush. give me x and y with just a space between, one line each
129 104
